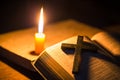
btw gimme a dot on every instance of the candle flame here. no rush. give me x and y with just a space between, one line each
41 21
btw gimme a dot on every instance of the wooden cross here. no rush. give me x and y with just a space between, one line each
77 51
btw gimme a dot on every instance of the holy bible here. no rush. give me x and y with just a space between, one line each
54 64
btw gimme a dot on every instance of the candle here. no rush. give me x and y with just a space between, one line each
40 36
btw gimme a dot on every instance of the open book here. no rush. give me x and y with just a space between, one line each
54 64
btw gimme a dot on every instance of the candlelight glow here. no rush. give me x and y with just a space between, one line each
41 21
40 36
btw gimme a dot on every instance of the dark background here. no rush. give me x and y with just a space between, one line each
19 14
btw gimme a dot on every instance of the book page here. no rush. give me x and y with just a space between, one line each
108 42
95 66
103 70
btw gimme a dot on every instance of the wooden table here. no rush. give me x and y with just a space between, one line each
22 38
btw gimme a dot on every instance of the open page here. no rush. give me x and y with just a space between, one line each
101 69
108 42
